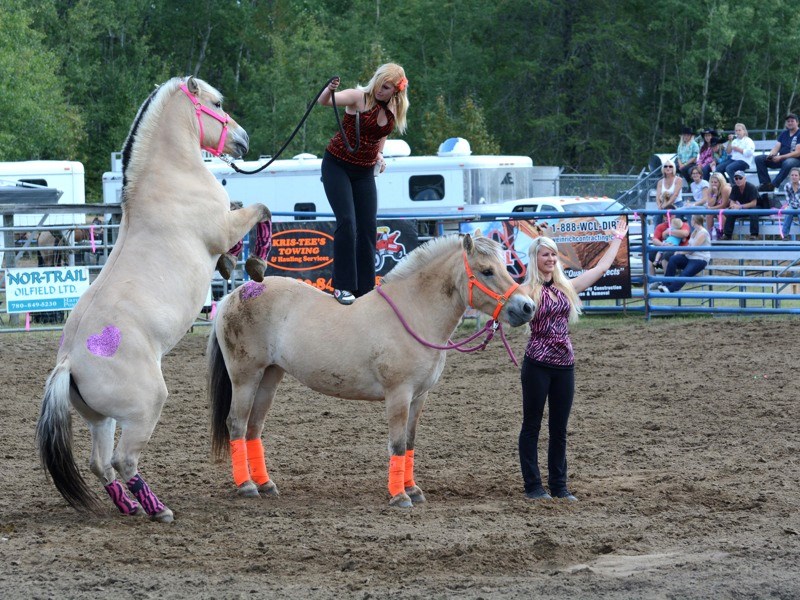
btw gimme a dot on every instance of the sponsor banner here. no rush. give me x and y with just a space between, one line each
581 243
304 249
38 290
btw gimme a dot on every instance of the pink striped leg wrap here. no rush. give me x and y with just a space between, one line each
263 240
125 504
237 249
139 488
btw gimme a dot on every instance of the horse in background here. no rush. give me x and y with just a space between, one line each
63 242
175 225
362 351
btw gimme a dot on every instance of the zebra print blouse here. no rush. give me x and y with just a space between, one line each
550 344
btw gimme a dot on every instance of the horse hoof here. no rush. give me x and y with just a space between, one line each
401 500
415 494
226 265
268 489
164 516
247 490
255 268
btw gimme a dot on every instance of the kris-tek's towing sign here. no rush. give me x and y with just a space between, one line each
37 290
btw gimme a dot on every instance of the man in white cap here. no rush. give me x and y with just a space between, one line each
743 195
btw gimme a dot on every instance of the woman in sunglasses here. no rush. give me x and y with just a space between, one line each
668 190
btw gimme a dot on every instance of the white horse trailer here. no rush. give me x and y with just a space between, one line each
67 176
424 185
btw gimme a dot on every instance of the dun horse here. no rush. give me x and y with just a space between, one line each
175 224
263 330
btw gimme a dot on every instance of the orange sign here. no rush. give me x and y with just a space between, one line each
301 250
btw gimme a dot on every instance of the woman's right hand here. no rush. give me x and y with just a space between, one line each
334 84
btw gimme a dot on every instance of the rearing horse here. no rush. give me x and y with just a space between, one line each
363 351
175 224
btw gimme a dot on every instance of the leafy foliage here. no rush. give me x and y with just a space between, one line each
589 86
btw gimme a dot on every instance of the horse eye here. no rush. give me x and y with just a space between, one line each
218 104
487 272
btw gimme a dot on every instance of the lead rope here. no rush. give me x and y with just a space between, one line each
490 327
296 129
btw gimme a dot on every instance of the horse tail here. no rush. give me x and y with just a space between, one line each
54 440
220 393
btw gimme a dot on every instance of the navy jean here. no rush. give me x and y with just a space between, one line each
689 267
729 167
762 164
540 383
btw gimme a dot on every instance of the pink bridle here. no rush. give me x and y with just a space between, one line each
200 108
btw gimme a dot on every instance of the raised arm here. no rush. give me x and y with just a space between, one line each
348 98
590 276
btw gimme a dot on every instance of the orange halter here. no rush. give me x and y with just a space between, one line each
501 298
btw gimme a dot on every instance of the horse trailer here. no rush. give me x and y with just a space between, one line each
66 176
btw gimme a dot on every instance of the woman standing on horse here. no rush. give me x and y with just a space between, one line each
548 367
349 167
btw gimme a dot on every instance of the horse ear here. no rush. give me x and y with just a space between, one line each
193 86
467 244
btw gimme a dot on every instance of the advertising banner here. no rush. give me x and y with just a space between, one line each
581 242
304 249
39 290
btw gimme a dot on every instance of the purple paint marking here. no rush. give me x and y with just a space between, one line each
251 289
106 343
139 488
126 505
61 341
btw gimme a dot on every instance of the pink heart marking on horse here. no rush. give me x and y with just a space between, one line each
251 289
106 343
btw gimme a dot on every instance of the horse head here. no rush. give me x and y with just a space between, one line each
219 133
490 288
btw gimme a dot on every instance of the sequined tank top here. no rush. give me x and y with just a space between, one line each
371 135
550 344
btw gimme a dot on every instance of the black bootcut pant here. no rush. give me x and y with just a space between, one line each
541 385
353 196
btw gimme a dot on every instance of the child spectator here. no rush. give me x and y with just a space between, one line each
676 225
706 160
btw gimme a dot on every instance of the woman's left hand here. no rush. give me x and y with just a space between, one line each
381 162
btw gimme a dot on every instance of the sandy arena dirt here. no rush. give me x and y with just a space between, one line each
683 451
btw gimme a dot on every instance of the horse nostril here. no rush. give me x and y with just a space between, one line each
527 308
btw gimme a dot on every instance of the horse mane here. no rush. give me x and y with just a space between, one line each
144 124
424 254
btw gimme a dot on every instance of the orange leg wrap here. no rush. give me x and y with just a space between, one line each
409 478
256 462
397 467
239 461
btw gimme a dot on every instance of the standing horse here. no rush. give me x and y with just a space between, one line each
263 330
175 224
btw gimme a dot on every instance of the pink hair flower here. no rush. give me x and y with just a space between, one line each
402 84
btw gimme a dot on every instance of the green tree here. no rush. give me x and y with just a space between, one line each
38 120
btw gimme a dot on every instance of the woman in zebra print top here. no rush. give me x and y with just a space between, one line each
548 367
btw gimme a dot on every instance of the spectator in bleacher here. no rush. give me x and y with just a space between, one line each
792 191
720 154
705 160
700 188
668 190
675 226
744 195
785 155
719 198
740 149
660 235
689 262
688 151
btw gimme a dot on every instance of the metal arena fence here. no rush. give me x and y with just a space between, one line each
743 277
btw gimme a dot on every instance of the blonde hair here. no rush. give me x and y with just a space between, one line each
668 163
742 126
720 178
560 279
393 74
